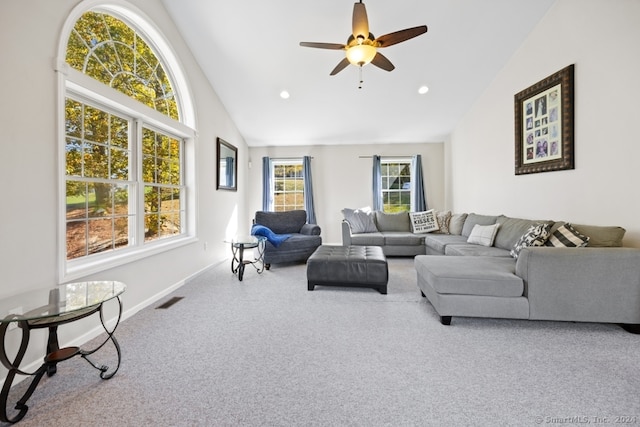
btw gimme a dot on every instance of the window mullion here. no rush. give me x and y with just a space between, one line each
137 192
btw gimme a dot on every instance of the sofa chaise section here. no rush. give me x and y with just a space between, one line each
591 284
478 286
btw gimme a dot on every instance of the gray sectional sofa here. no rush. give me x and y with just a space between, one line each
599 282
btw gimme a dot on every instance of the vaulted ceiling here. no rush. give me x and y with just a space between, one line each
249 50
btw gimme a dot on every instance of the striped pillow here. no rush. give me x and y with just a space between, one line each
567 237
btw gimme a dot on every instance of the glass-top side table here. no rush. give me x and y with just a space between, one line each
49 308
238 246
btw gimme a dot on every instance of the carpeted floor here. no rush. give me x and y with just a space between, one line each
267 352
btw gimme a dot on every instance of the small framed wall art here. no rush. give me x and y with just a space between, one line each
544 125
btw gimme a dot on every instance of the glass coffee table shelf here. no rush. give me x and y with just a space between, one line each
239 260
50 308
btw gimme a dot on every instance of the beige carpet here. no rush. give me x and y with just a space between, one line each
267 352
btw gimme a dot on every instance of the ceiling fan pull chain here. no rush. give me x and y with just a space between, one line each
360 73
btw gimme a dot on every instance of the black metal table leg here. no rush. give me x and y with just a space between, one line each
241 261
110 337
53 357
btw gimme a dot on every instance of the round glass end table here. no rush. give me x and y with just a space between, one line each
239 260
48 309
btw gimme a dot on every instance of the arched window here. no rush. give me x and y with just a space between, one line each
126 145
107 49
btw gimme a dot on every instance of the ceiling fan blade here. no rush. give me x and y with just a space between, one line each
335 46
400 36
360 22
381 61
341 66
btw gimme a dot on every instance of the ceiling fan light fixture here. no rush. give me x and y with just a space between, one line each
361 54
361 47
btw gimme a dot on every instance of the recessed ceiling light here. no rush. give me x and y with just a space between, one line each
284 94
423 90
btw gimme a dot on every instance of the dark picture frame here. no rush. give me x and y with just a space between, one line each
227 166
544 124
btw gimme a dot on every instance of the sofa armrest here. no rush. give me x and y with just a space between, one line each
310 230
346 233
582 284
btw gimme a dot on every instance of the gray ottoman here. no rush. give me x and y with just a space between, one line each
359 266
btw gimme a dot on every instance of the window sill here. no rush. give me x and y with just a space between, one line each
76 269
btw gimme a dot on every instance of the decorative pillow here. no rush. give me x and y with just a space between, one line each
273 238
483 234
424 222
536 235
567 237
360 220
443 221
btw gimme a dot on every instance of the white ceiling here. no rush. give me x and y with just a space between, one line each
249 50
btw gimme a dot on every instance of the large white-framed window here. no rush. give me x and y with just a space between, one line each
287 185
126 151
396 184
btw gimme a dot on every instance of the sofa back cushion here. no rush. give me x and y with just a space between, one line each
475 219
393 222
601 236
456 223
282 222
511 229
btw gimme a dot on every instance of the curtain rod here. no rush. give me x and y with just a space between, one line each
287 158
387 157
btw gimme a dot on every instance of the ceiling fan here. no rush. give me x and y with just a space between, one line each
362 47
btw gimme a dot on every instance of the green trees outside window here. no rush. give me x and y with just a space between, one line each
288 186
107 49
123 177
396 185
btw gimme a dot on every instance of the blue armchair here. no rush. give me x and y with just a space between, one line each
303 241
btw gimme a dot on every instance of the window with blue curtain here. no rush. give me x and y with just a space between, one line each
287 185
398 184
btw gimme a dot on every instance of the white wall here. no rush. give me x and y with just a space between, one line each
601 38
29 35
342 178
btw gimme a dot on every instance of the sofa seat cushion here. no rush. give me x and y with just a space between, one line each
399 238
299 242
438 242
367 239
488 276
470 249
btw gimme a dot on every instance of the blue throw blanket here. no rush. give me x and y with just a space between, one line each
273 238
